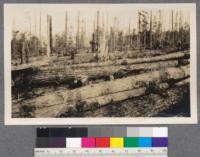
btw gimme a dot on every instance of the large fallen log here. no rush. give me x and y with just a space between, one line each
124 84
66 60
97 102
148 105
54 111
71 97
171 56
51 60
62 74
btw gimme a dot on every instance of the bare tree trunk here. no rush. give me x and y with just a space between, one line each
49 35
78 32
172 28
97 33
40 36
151 30
66 27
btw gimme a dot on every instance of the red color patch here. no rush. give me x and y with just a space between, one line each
102 142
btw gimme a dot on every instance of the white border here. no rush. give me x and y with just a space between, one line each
99 121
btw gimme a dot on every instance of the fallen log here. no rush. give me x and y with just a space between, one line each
54 111
61 75
50 60
85 75
171 56
96 103
185 81
70 97
150 105
53 73
127 83
109 69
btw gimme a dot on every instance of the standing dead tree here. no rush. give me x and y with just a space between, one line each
49 35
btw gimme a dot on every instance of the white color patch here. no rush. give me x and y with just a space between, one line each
73 142
160 132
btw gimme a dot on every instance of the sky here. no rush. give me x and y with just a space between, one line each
25 17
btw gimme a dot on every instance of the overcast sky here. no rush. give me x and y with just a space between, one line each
24 16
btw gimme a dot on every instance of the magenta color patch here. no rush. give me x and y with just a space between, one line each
88 142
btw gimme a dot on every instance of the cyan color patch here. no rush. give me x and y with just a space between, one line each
145 142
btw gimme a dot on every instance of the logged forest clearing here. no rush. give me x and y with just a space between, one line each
56 88
107 72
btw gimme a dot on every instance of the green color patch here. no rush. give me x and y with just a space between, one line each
131 142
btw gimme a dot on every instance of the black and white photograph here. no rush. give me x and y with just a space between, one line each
100 63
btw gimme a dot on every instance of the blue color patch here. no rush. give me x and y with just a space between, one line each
145 142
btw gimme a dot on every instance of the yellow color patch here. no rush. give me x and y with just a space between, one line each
116 142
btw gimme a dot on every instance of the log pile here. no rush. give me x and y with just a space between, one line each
53 104
128 78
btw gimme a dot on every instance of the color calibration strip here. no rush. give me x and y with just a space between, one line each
98 141
102 142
